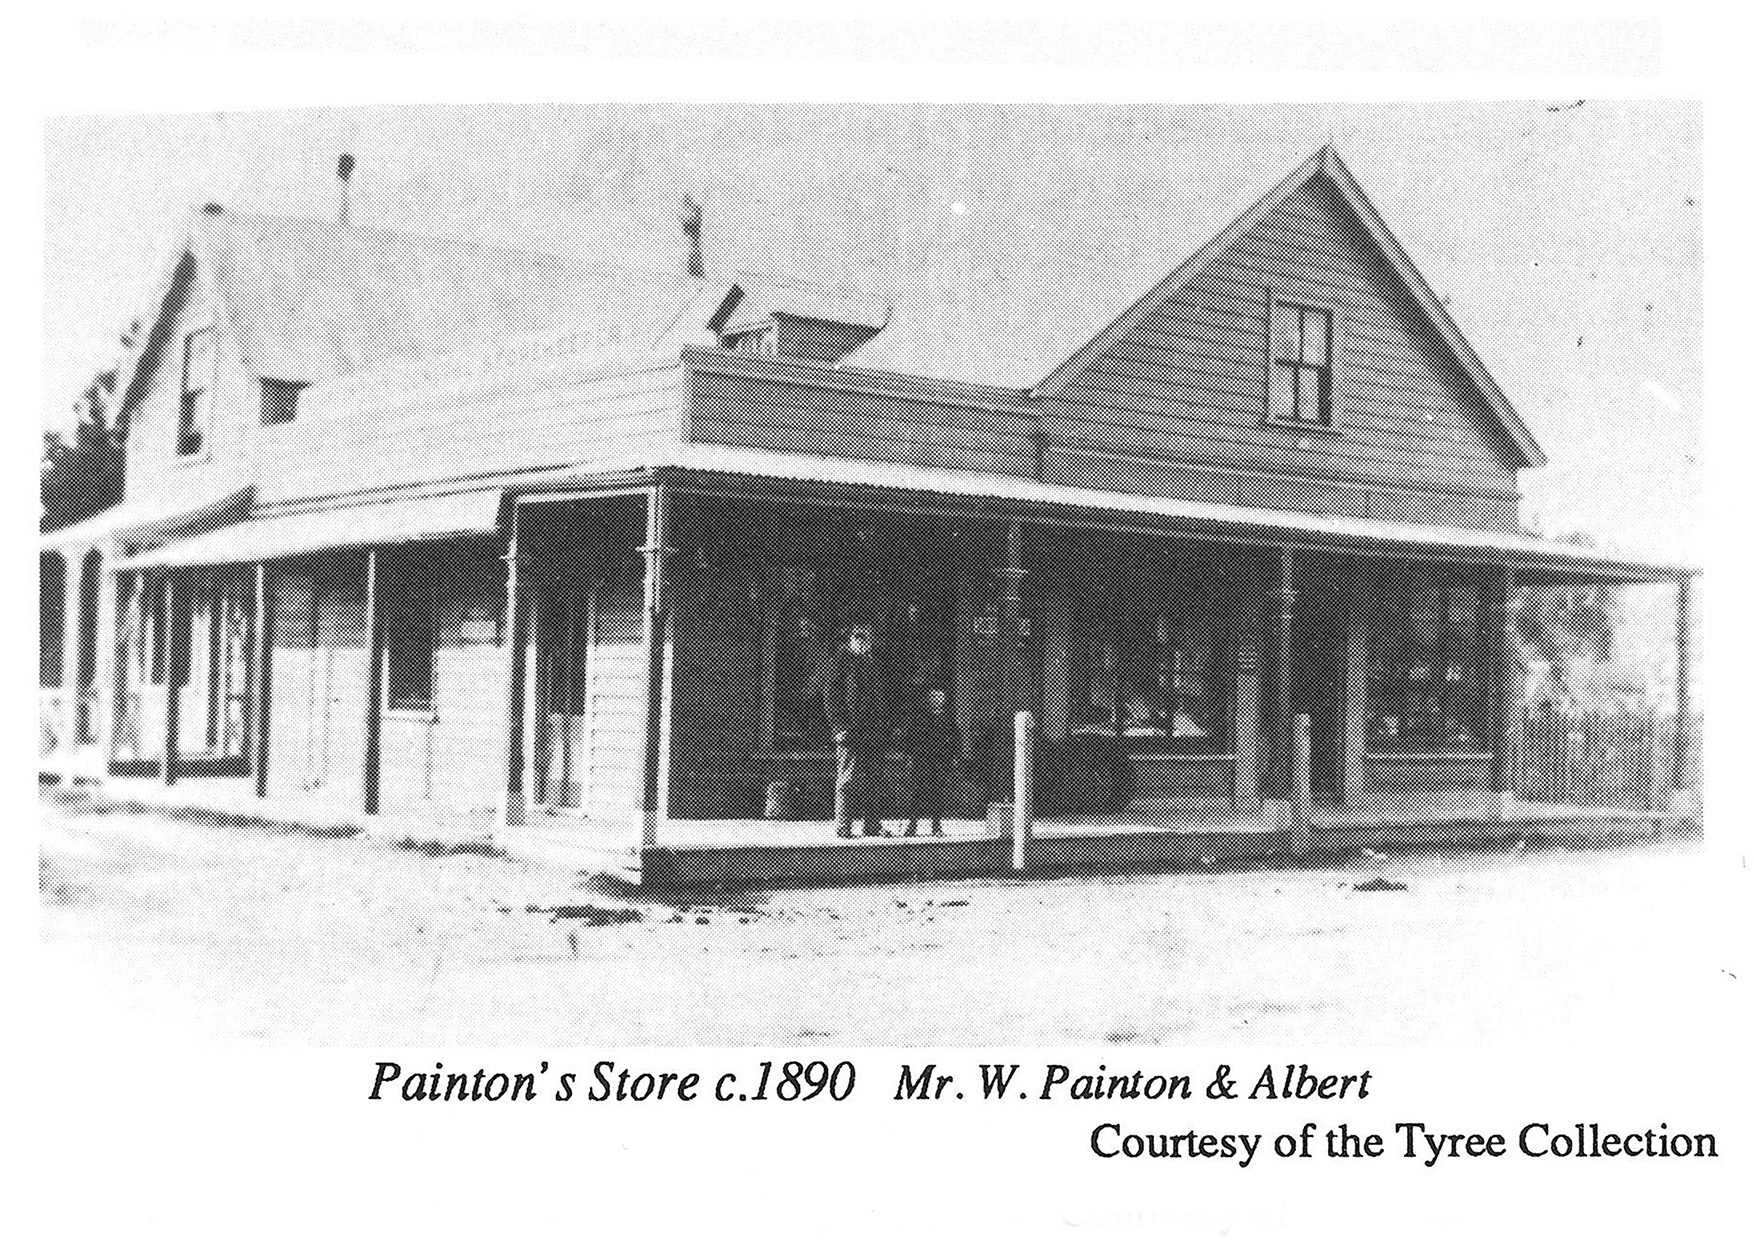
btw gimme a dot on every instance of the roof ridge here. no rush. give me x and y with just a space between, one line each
203 219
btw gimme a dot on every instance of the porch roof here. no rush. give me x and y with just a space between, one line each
152 517
1537 560
380 523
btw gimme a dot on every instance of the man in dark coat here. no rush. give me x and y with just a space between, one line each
856 715
933 745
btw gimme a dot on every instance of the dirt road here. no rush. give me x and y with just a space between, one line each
242 933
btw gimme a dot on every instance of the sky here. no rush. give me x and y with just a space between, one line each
1565 235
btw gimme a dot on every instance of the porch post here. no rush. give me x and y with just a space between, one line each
1278 801
106 681
1357 680
1016 636
168 751
74 559
1248 724
1682 796
262 691
517 626
374 685
1502 660
657 552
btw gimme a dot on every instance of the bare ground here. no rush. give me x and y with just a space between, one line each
235 931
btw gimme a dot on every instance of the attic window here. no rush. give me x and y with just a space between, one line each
192 417
279 401
1300 387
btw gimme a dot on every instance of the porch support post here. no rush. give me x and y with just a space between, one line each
517 628
106 682
1017 632
1248 724
1278 801
74 559
1357 684
1503 688
374 686
1682 796
657 552
172 703
262 689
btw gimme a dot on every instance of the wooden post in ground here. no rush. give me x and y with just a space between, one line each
510 811
1022 789
374 685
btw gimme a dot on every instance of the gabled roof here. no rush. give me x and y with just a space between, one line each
310 300
1326 163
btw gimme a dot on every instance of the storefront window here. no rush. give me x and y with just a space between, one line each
1160 684
811 608
802 649
1427 682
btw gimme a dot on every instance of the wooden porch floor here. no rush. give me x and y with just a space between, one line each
1185 817
1169 834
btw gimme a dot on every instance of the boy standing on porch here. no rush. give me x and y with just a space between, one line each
855 715
933 745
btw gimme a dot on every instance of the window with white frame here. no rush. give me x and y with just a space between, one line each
1300 386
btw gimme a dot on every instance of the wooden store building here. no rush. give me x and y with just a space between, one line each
431 532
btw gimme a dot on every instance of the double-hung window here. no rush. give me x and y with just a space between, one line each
1301 384
197 403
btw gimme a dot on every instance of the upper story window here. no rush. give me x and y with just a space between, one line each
197 399
279 401
1301 385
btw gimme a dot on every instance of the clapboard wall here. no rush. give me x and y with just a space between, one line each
1178 407
453 756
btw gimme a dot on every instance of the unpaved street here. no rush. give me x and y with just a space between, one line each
238 932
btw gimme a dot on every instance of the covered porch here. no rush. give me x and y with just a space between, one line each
630 666
1166 649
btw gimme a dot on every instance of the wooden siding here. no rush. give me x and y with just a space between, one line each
586 707
779 406
1178 407
350 441
317 732
453 757
155 468
616 703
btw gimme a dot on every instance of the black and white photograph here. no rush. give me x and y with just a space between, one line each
566 558
650 625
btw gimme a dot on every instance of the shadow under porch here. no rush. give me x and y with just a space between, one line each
1164 671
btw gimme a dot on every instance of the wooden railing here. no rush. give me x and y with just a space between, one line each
1621 759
